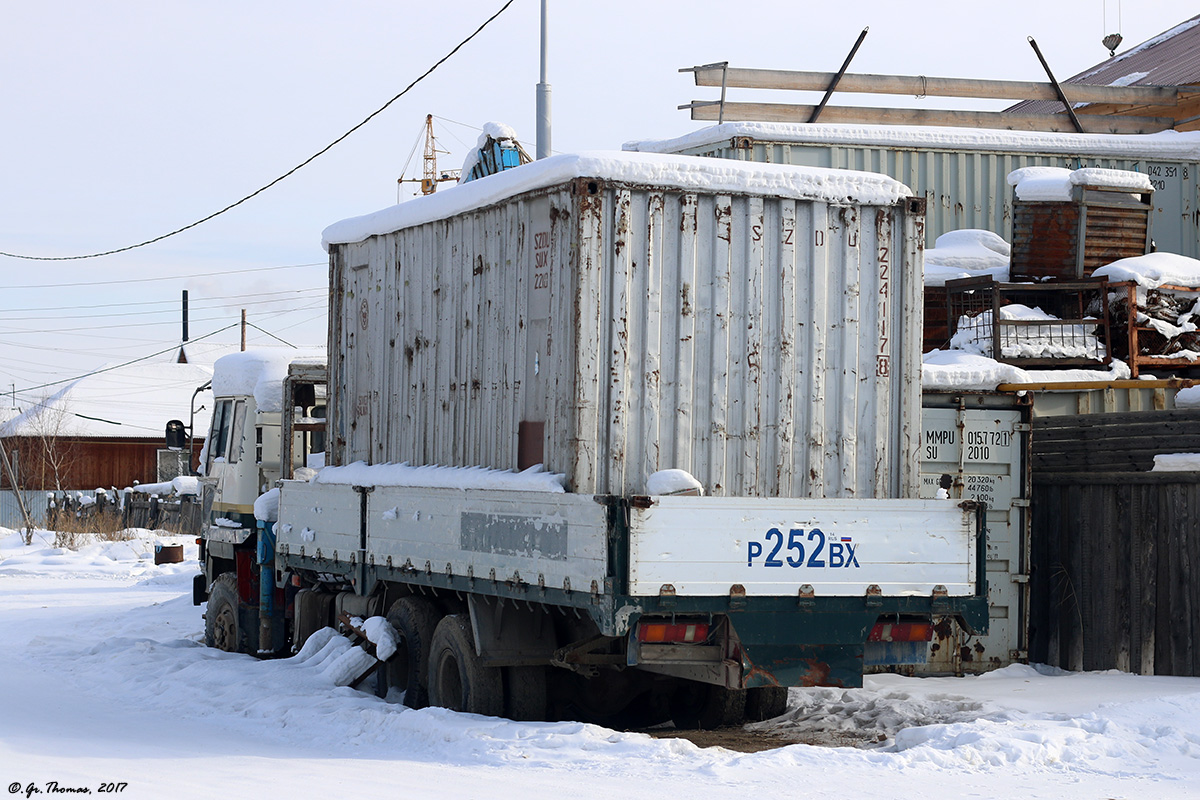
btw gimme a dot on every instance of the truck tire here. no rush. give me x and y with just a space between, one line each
525 693
765 702
705 706
414 619
458 678
222 625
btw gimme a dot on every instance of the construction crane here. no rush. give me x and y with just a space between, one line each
431 177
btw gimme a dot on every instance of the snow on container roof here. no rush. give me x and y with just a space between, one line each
642 169
1055 184
1171 145
258 373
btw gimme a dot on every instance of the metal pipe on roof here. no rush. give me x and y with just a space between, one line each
543 99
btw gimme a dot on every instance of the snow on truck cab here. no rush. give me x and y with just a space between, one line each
615 437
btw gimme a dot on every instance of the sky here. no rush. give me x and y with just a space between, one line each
128 119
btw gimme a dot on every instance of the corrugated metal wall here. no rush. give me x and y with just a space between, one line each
969 189
10 509
768 346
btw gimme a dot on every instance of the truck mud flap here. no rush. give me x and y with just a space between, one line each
838 665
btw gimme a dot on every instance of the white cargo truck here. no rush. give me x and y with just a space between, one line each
618 437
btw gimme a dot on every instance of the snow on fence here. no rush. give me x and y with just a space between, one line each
175 514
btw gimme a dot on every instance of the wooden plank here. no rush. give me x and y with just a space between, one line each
1097 478
1145 448
1075 606
1162 577
1190 524
1119 566
1132 461
1182 610
1163 430
1141 587
921 85
1041 523
1119 417
710 111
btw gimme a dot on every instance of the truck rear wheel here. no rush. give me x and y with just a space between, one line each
705 706
525 693
222 627
458 678
414 619
765 702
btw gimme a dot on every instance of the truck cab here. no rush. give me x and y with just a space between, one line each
253 442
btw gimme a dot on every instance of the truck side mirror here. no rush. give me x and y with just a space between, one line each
176 435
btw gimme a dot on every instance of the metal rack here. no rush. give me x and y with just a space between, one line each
1080 332
1144 347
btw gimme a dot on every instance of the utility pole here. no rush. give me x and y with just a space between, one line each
543 100
243 330
185 315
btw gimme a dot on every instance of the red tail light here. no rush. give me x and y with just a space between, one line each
901 632
672 632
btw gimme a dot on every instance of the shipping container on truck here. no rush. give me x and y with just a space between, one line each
541 348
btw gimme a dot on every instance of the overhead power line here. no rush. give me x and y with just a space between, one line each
77 284
170 349
244 300
285 175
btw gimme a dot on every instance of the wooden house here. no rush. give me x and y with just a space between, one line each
105 429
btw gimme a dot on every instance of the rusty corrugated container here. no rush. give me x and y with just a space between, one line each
962 173
1068 240
757 326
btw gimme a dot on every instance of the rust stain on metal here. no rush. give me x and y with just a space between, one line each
817 674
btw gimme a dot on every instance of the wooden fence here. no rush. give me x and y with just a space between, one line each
181 514
1123 442
1115 582
176 514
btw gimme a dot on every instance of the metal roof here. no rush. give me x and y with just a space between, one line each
1171 58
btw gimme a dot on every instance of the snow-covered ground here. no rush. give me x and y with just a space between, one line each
106 682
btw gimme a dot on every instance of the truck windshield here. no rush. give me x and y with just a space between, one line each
236 430
218 439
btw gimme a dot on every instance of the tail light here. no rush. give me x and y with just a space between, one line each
672 632
901 632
